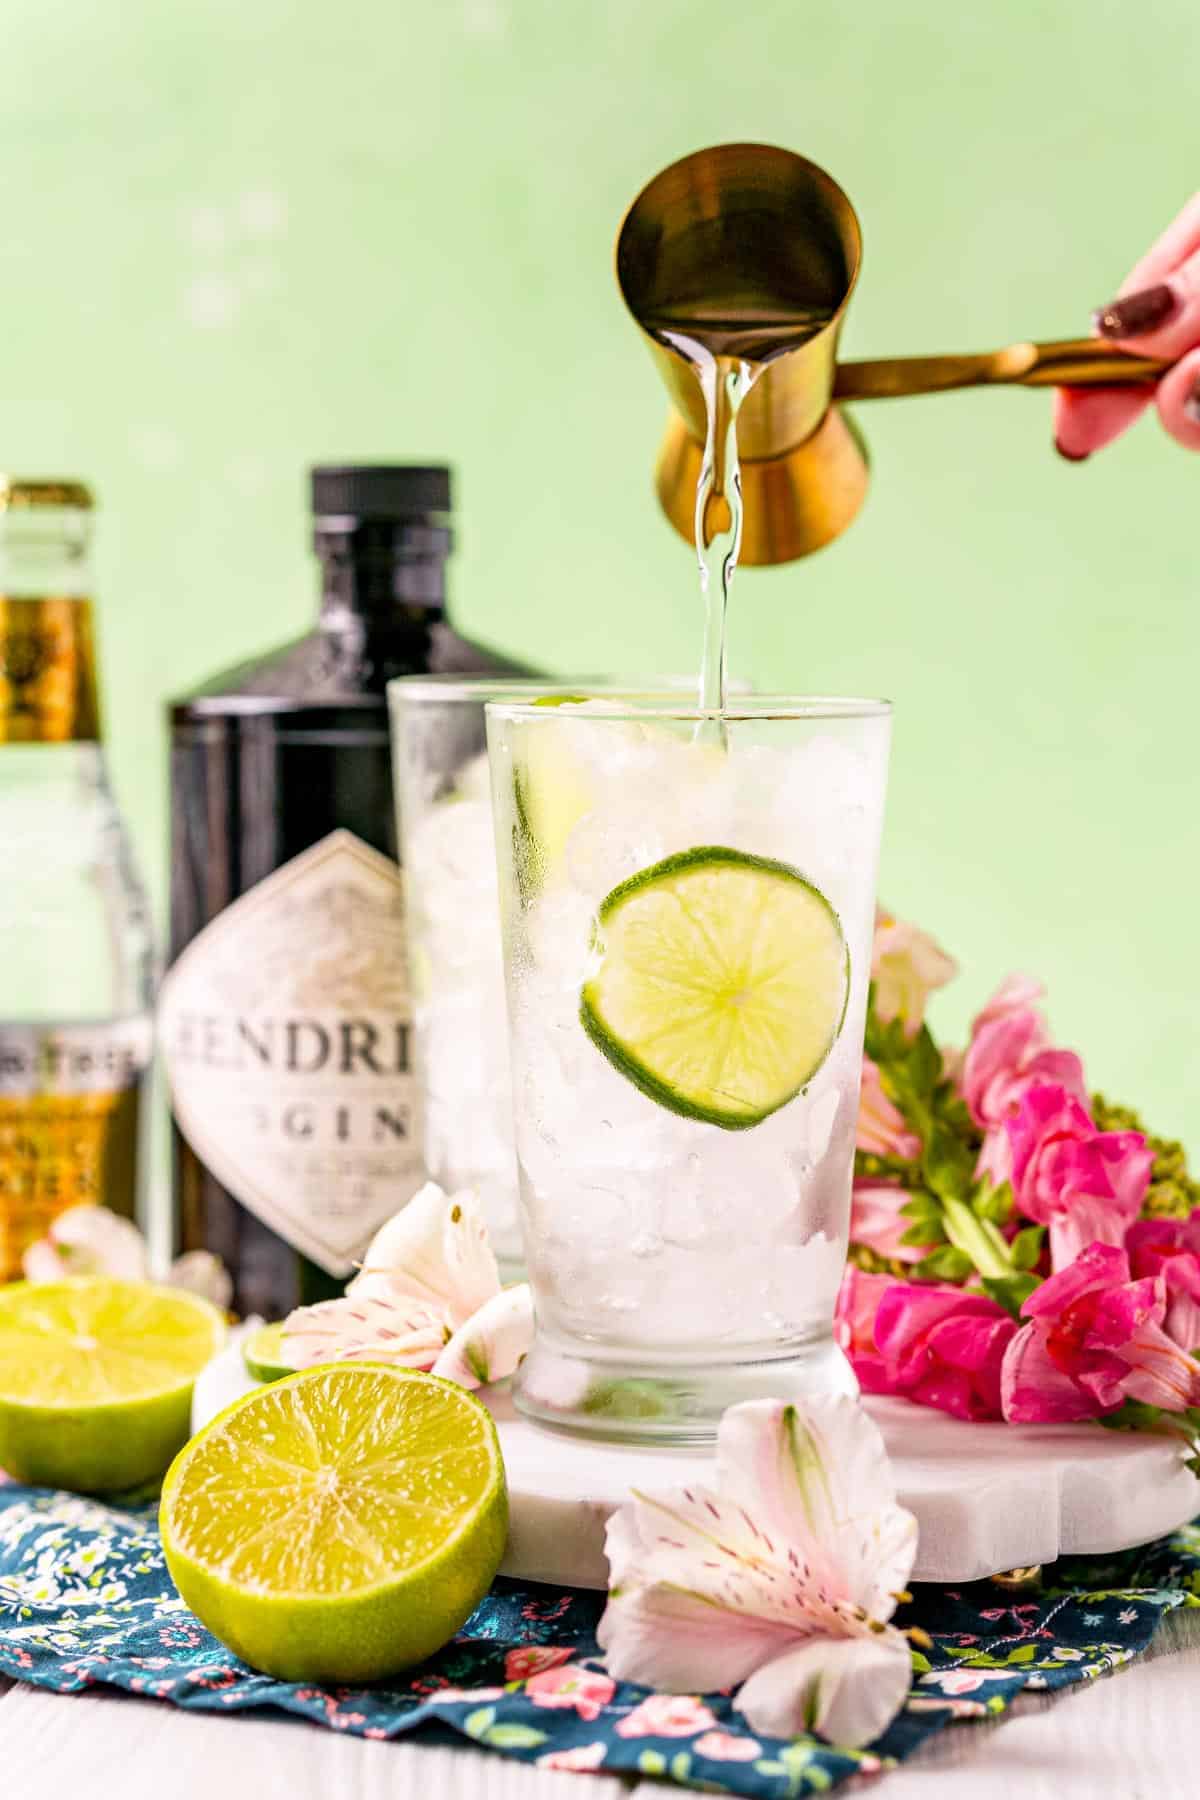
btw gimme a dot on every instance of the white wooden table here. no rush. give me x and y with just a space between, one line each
1127 1734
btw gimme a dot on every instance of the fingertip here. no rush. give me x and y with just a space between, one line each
1178 401
1087 419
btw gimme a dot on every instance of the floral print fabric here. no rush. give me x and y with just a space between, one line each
85 1599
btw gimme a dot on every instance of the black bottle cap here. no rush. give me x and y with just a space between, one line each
380 491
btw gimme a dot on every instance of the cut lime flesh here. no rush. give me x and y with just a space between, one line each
722 984
96 1379
263 1355
340 1524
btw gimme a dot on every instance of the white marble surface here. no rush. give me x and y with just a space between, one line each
986 1497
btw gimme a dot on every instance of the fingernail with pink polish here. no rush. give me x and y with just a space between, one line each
1134 314
1191 402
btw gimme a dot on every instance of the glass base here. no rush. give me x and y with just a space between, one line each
626 1399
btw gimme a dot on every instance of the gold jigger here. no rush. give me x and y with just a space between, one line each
744 240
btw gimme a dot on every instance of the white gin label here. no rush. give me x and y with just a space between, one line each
285 1028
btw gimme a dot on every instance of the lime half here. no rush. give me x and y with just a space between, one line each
263 1355
339 1525
722 984
96 1379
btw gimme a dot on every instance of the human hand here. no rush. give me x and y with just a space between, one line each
1157 313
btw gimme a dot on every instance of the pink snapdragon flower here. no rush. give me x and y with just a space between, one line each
877 1222
854 1325
943 1348
1010 1052
932 1344
906 967
1086 1185
881 1127
1170 1248
1093 1338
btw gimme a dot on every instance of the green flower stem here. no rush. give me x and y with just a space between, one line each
977 1239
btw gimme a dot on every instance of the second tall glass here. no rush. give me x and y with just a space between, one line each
448 854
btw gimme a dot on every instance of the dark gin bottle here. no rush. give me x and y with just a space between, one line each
285 1021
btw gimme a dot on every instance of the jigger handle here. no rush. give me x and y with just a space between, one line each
1076 362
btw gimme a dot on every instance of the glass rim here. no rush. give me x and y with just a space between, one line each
457 686
743 708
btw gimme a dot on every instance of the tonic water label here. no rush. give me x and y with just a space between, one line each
68 1124
285 1029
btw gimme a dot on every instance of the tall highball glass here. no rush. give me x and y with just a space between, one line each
687 903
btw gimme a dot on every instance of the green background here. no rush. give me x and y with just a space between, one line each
239 238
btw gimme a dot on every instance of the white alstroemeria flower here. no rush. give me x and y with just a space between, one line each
436 1250
88 1240
200 1272
91 1240
781 1579
492 1342
426 1273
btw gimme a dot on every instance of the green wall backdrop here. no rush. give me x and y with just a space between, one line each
239 238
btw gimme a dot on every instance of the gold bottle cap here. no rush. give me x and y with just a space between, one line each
19 491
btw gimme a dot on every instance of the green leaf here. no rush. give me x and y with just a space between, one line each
921 1207
513 1737
1133 1415
947 1164
945 1264
480 1722
976 1238
920 1662
925 1062
882 1168
927 1231
1026 1247
1011 1291
681 1766
884 1043
652 1762
994 1204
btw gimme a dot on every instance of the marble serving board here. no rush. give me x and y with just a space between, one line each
987 1498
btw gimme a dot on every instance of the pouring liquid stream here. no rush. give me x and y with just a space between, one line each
728 348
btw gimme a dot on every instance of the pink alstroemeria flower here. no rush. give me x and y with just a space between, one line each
782 1578
881 1129
1086 1185
877 1222
906 966
1094 1338
1010 1052
1170 1248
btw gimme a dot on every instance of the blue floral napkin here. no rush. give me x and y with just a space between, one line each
85 1599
